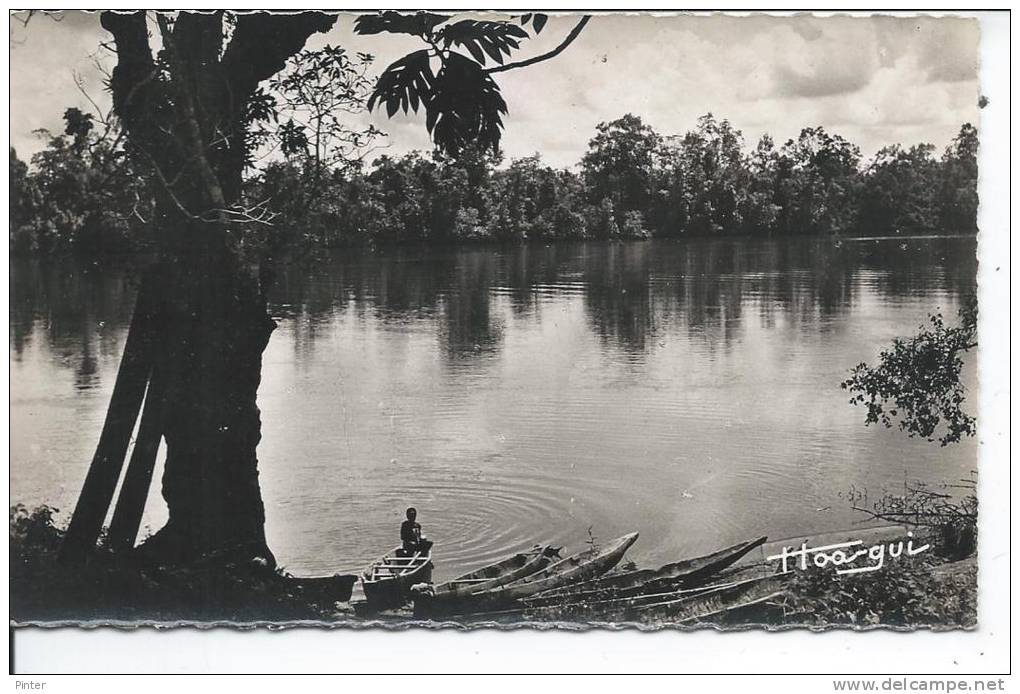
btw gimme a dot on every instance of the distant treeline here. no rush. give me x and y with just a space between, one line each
82 193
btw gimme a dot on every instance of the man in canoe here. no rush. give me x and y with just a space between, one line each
410 535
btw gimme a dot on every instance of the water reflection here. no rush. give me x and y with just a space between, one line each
509 391
630 290
79 311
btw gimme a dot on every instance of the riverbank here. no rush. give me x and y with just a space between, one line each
141 255
120 588
922 591
927 591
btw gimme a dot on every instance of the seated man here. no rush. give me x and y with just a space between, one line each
410 536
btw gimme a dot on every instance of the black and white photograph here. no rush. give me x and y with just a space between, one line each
461 320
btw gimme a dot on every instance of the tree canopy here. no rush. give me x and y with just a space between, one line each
633 182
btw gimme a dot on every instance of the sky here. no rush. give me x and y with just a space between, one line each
874 80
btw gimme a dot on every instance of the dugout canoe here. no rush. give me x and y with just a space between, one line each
520 565
331 589
702 607
388 580
681 607
582 566
584 610
689 573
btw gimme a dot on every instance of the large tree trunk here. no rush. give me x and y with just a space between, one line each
185 116
215 331
128 393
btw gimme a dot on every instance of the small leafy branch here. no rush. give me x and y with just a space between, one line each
451 79
593 541
33 527
918 380
950 514
304 111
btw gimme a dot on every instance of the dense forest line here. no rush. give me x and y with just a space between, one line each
84 192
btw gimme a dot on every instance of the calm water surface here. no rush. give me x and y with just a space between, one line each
689 391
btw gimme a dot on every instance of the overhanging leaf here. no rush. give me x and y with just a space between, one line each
403 84
464 107
536 20
494 39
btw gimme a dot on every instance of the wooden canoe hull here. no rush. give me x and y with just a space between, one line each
712 602
512 569
335 588
689 573
578 567
683 607
387 587
582 610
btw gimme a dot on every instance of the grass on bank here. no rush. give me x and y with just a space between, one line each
112 587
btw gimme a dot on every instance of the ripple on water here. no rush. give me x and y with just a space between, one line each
646 387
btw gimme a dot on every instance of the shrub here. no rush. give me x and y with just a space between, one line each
110 586
914 592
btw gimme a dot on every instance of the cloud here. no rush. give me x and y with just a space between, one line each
875 80
950 53
816 57
812 80
45 56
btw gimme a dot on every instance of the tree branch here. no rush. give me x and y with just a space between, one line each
545 56
191 127
133 75
262 43
198 36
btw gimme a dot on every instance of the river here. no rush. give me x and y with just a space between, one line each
686 390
